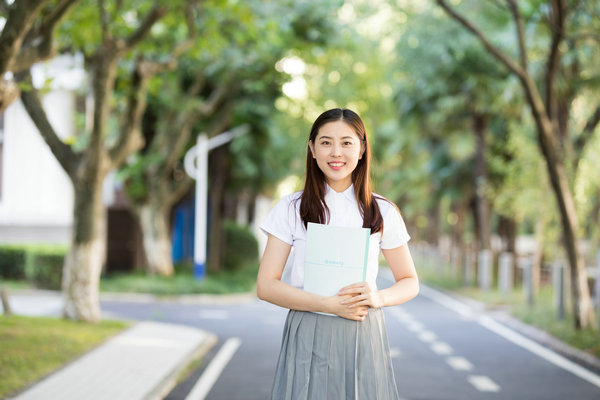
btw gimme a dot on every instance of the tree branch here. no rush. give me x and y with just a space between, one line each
130 136
104 21
585 137
514 9
557 27
63 153
503 58
4 7
153 16
177 189
20 18
39 46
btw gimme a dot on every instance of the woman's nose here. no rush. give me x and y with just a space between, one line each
336 149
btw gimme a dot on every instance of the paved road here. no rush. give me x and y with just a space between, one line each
439 352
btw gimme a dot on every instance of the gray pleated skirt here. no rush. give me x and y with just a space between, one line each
328 357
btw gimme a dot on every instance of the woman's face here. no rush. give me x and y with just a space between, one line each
337 149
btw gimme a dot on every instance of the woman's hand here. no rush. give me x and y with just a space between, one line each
336 305
361 294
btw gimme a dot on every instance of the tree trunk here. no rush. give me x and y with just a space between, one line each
433 224
156 238
458 242
5 301
84 261
583 310
538 256
482 206
218 179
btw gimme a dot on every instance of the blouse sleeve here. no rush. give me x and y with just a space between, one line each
277 222
394 230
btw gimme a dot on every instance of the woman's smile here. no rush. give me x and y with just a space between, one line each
336 165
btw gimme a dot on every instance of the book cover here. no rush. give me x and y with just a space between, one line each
335 257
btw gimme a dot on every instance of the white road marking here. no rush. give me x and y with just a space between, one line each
459 363
213 314
427 336
513 336
415 326
441 348
395 352
213 370
483 383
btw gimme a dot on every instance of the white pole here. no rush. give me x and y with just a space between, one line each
196 165
201 204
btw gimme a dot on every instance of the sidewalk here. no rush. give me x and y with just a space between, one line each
141 363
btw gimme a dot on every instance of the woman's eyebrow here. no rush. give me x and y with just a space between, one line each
331 138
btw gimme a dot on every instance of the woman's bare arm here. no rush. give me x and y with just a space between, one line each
406 286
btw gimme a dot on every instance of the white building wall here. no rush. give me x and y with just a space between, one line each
37 195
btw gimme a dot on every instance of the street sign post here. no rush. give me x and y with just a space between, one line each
196 166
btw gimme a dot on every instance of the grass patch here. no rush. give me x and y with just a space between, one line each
31 348
16 284
183 282
542 314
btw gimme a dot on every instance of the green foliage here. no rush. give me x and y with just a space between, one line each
31 348
40 265
241 247
12 262
183 282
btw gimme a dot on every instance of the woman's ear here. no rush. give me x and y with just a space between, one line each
363 147
312 148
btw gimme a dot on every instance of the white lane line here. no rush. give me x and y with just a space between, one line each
459 363
214 369
541 351
415 326
441 348
514 337
395 352
427 336
483 383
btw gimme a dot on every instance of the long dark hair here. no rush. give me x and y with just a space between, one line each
312 204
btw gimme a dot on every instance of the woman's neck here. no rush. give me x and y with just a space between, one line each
340 186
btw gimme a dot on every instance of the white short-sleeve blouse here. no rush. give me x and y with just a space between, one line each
284 222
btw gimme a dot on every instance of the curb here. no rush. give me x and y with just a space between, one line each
147 297
180 299
164 387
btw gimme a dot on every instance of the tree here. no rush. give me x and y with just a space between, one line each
88 168
550 108
26 38
227 80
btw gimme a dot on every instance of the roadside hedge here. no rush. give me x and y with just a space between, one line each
40 265
241 247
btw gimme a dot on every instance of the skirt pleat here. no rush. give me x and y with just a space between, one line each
327 357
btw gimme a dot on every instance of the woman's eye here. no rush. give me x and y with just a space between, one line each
325 143
348 143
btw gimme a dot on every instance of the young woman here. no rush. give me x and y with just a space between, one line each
324 356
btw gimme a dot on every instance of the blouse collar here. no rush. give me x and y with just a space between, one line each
348 194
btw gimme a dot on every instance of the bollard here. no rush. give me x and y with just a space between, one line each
558 283
505 272
484 266
468 272
526 264
439 262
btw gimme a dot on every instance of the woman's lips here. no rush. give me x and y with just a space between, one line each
336 165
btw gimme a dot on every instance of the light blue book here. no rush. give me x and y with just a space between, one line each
335 257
